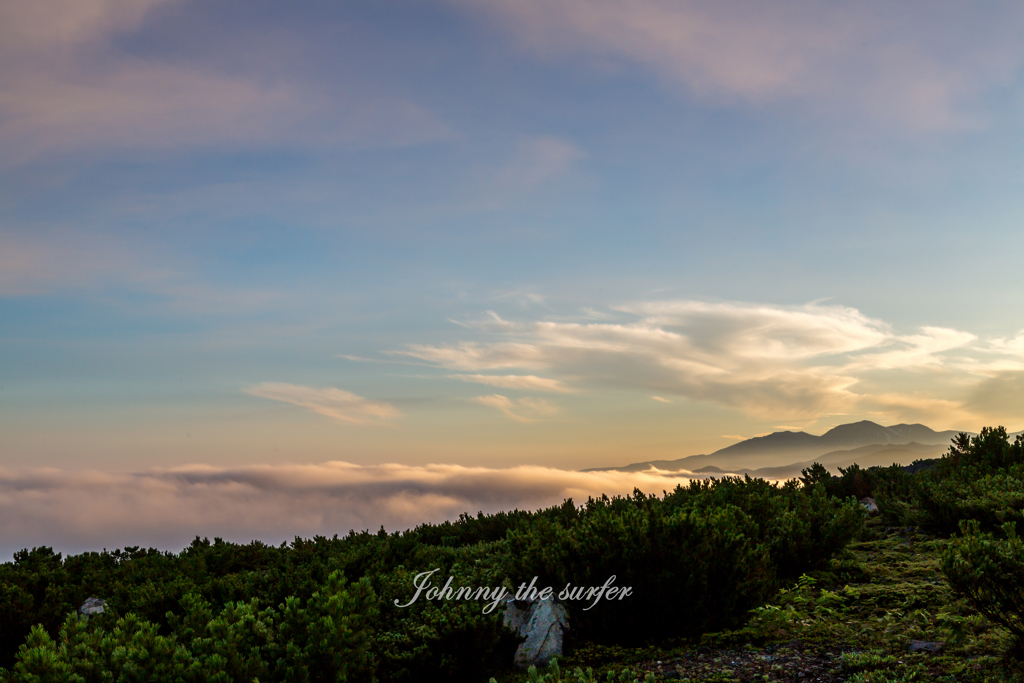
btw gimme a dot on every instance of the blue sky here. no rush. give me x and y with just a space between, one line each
569 233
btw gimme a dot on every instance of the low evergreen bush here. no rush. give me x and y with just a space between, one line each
980 478
695 559
988 568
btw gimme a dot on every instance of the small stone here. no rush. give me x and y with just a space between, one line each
92 606
869 505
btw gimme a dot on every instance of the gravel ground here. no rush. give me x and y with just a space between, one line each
791 662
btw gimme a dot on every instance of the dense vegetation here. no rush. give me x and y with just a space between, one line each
697 558
931 589
976 489
732 557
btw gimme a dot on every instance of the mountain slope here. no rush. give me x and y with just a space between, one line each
786 449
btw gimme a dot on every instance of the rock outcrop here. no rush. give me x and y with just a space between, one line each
542 623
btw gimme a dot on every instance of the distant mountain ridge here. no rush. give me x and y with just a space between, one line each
865 456
783 450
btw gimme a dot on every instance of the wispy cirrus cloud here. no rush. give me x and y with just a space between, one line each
769 361
912 65
167 508
1001 355
525 409
338 404
760 358
1010 345
67 85
524 382
917 350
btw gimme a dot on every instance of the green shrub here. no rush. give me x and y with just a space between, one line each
689 571
987 569
131 651
554 674
891 487
980 478
991 500
698 560
327 639
443 640
803 527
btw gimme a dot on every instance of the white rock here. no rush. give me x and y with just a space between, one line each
541 623
517 615
869 505
92 606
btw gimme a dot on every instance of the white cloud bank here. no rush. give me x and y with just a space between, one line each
774 362
77 511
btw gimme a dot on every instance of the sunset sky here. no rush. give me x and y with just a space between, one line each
252 238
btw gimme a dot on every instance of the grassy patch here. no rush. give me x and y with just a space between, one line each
852 622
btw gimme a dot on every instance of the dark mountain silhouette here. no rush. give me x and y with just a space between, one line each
865 456
779 441
865 433
788 449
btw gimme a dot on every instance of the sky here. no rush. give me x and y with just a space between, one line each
267 244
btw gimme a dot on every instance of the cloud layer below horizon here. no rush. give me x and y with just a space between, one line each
74 511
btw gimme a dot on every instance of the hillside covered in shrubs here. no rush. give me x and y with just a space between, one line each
714 557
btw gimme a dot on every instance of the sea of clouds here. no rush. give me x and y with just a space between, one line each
76 511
